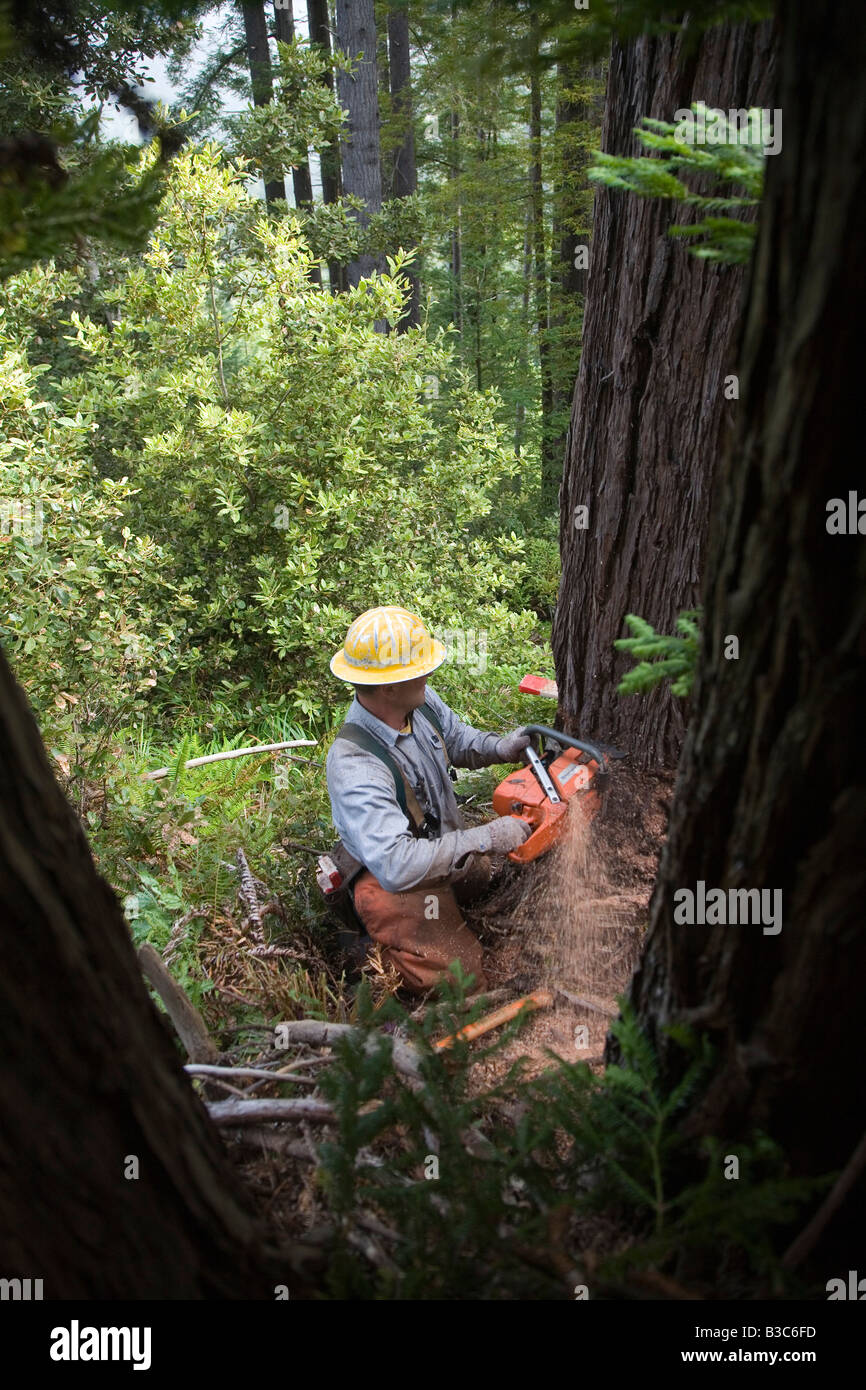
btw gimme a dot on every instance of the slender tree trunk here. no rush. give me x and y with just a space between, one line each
383 91
285 30
772 784
112 1181
302 185
320 33
526 328
358 93
455 173
456 259
404 177
550 467
579 112
261 74
649 402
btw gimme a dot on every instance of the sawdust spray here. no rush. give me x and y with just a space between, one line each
578 930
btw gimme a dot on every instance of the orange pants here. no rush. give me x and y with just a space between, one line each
421 932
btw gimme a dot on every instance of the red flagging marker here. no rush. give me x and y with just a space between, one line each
539 685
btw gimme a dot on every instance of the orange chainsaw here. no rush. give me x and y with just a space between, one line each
542 792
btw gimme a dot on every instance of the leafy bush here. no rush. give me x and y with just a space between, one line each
233 466
84 640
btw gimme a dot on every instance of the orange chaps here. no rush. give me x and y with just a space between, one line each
421 932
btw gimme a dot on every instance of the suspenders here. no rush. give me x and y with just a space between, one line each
408 802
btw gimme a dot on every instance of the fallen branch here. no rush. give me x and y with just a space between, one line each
277 1143
490 996
807 1238
186 1019
247 892
267 952
234 753
583 1003
539 999
197 1069
257 1112
308 1030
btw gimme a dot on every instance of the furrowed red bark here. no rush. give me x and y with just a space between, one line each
649 403
772 784
90 1080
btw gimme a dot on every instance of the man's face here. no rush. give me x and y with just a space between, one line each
407 695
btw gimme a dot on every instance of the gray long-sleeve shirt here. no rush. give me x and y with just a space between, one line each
364 802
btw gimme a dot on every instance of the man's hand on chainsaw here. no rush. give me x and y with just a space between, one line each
507 833
497 836
510 748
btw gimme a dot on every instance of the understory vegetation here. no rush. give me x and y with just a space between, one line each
215 454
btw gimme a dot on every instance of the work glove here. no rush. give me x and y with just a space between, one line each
498 836
510 748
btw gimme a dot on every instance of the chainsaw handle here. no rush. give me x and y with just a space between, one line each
544 732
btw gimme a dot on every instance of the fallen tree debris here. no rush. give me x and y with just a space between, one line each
248 895
539 999
256 1112
187 1021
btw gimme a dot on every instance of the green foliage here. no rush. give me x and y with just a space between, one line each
732 157
84 643
59 185
471 1195
238 464
109 196
54 58
539 587
660 657
303 112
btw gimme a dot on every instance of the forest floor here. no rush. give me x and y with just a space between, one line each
574 921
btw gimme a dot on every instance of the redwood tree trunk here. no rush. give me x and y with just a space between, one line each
579 111
649 402
284 27
405 173
772 784
358 93
549 464
90 1079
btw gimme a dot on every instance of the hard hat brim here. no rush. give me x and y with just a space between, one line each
390 675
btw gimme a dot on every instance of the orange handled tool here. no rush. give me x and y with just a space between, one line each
539 999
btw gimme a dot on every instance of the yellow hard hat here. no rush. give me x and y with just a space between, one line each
386 645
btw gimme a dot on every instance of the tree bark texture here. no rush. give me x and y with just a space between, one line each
772 784
649 402
358 93
90 1079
